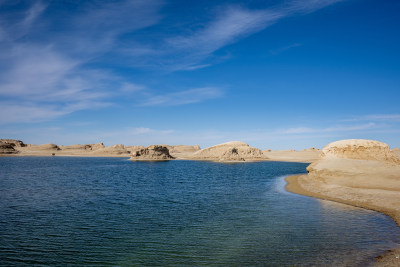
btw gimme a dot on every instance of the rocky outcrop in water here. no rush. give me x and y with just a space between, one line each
154 152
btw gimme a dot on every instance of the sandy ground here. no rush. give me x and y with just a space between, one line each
26 151
361 183
294 156
290 156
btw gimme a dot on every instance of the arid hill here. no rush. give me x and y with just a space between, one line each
230 151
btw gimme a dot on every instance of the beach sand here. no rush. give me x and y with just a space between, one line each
370 184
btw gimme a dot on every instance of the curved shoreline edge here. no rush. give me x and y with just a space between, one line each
390 258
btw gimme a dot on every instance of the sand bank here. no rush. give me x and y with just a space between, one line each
306 156
372 182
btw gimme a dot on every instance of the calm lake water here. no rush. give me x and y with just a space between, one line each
111 211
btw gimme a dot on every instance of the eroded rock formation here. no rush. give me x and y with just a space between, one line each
230 151
359 149
154 152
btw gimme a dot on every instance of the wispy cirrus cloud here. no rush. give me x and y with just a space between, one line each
44 74
195 48
60 63
230 25
307 6
28 111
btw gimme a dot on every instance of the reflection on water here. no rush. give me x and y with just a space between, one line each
108 211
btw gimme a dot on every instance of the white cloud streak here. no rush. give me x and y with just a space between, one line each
231 25
33 13
190 51
44 76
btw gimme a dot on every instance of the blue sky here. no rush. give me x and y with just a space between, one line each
275 74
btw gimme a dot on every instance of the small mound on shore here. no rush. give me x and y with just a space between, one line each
150 153
230 151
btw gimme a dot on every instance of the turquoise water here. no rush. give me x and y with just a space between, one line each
111 211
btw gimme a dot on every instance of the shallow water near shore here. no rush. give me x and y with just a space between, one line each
111 211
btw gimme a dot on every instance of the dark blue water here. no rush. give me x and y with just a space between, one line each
110 211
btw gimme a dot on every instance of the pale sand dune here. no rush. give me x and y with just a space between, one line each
361 173
235 151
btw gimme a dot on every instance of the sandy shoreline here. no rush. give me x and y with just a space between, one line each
282 156
357 172
294 185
